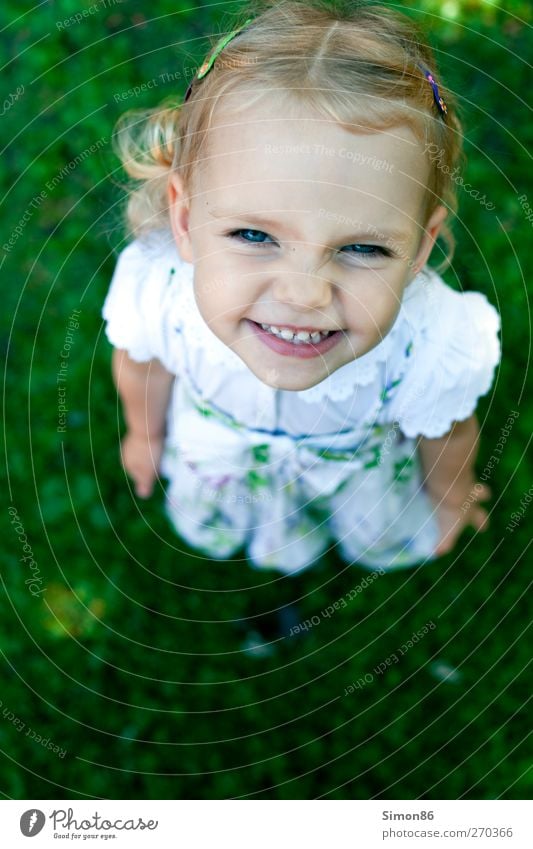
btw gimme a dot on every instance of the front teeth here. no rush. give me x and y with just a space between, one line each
289 336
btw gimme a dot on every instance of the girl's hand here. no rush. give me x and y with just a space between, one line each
454 515
141 456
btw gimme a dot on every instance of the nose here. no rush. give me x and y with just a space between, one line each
303 289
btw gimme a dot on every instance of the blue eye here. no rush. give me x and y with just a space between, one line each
367 250
242 235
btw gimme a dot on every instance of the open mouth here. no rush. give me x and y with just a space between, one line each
297 344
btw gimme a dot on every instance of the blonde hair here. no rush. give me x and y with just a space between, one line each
355 62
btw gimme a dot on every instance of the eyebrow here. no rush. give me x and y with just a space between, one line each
370 233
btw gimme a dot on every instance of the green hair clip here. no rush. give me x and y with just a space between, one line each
208 63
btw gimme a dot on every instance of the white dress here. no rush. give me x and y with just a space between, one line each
287 474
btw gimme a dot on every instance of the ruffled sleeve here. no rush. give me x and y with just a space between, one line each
456 349
138 306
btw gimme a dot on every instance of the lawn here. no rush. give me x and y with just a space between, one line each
122 673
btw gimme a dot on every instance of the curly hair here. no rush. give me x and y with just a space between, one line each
357 63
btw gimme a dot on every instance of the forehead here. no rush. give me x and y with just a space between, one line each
278 155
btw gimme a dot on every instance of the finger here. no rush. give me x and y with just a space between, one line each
141 485
445 544
480 519
483 491
143 490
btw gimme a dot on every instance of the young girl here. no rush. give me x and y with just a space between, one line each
284 354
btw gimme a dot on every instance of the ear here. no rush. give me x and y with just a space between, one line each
178 208
429 237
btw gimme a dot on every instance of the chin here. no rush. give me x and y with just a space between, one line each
294 383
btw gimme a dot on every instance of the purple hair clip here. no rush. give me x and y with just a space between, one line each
443 109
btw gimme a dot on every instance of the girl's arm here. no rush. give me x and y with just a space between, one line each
144 389
448 466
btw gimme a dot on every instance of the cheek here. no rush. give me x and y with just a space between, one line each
228 286
372 311
220 300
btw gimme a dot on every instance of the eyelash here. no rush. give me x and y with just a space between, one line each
377 250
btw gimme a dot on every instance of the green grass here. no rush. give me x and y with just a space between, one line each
129 661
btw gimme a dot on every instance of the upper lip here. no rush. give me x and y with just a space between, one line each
296 329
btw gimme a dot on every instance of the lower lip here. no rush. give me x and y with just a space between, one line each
305 351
